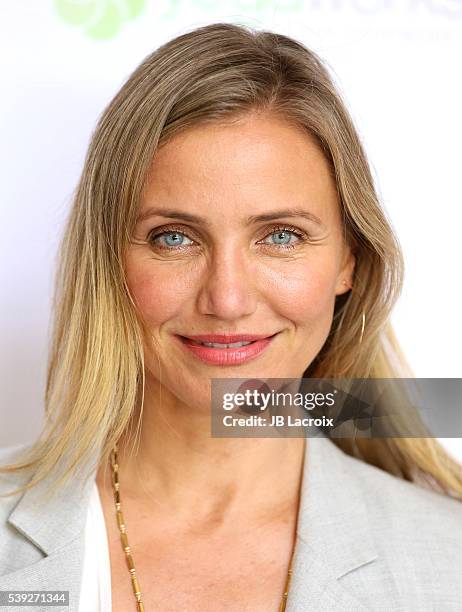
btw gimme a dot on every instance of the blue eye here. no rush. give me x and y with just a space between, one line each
176 240
283 235
172 239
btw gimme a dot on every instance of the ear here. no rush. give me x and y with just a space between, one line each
345 275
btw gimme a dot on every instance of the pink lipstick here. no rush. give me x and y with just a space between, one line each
225 349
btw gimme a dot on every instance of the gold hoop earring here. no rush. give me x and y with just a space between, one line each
362 327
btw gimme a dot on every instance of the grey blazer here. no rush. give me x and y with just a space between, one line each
366 540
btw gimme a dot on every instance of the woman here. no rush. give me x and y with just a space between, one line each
225 193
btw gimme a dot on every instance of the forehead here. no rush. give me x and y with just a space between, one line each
252 164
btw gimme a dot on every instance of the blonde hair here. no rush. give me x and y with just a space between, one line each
95 375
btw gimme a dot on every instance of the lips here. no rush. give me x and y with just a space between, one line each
228 338
226 356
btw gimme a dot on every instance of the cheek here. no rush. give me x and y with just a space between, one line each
158 296
305 293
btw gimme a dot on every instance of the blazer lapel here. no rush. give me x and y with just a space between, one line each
56 529
333 533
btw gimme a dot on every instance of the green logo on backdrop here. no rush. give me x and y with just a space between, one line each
101 19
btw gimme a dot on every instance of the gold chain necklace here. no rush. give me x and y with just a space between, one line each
127 549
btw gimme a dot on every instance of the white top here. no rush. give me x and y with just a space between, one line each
95 593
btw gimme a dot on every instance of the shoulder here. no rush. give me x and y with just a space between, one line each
10 455
406 517
10 481
390 494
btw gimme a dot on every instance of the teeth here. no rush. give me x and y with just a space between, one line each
218 345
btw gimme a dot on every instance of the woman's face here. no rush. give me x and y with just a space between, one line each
203 262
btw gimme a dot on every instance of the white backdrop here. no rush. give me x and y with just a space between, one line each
397 63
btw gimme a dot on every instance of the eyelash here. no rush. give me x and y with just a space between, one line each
279 228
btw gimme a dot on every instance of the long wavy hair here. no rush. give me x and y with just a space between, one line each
95 375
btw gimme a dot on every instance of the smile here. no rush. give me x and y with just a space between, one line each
218 345
226 354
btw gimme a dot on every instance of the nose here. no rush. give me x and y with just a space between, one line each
228 289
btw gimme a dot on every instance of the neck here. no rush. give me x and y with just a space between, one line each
180 472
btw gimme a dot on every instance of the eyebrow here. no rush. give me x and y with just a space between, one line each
270 216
